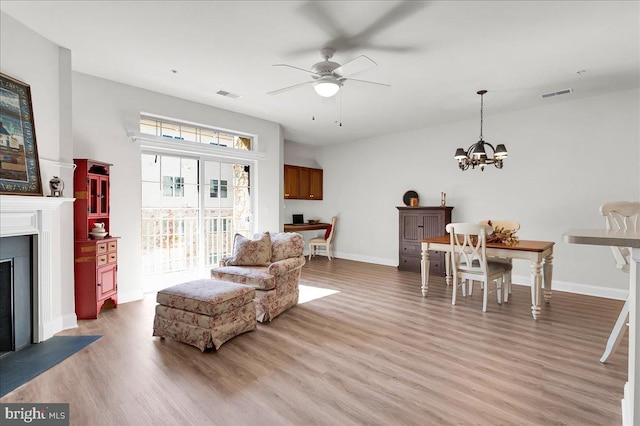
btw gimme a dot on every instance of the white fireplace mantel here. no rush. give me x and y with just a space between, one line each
33 215
21 202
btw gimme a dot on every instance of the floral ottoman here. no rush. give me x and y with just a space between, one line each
205 313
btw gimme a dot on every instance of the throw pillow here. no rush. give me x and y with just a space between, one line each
327 232
285 245
256 252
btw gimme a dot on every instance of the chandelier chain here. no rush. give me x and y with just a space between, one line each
481 114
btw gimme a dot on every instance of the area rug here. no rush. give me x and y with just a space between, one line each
25 364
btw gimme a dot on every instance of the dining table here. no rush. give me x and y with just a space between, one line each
539 253
630 239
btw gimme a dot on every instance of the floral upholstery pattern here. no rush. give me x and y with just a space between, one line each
205 313
206 297
285 245
257 277
270 304
202 331
276 285
256 252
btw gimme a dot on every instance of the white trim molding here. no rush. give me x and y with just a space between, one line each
163 144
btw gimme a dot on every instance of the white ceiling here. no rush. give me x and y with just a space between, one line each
435 55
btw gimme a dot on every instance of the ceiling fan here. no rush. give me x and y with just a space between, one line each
328 76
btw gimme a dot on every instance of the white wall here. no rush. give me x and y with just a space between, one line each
565 160
28 57
103 111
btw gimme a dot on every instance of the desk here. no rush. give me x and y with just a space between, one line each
618 238
539 253
290 227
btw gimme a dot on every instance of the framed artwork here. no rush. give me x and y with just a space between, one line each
19 166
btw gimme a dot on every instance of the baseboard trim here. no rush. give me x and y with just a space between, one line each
578 288
366 259
69 321
130 296
566 286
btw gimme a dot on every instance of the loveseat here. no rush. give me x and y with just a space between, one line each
270 263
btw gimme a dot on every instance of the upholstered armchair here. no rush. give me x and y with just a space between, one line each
270 263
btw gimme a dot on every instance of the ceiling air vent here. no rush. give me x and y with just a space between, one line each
227 94
558 93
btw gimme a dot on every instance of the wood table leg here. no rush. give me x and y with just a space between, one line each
536 286
548 274
425 272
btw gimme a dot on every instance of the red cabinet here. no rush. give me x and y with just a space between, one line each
96 260
96 272
91 191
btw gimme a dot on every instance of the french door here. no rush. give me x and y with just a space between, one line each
191 210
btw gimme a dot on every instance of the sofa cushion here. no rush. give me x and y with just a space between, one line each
256 252
206 297
285 245
257 277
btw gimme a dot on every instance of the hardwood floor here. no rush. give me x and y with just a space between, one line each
375 353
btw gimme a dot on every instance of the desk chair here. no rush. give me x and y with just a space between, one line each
507 225
469 260
325 242
624 215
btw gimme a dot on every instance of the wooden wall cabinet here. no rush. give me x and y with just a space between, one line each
95 260
416 224
302 183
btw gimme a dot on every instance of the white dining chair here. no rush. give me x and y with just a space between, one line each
325 242
622 215
510 226
469 260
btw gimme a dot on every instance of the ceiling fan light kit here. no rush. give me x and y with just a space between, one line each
326 86
476 154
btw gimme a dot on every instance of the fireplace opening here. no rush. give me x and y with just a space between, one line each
16 293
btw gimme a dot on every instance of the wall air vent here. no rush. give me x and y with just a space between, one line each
227 94
558 93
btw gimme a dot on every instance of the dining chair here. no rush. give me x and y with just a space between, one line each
325 242
469 260
622 215
510 226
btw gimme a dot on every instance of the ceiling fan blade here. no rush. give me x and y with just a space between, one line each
318 15
397 13
296 68
286 89
392 49
366 81
355 66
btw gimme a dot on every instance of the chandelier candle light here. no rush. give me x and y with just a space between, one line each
476 155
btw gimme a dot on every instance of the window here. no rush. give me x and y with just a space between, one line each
191 133
192 204
218 188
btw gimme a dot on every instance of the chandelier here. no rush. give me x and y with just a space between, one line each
476 155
